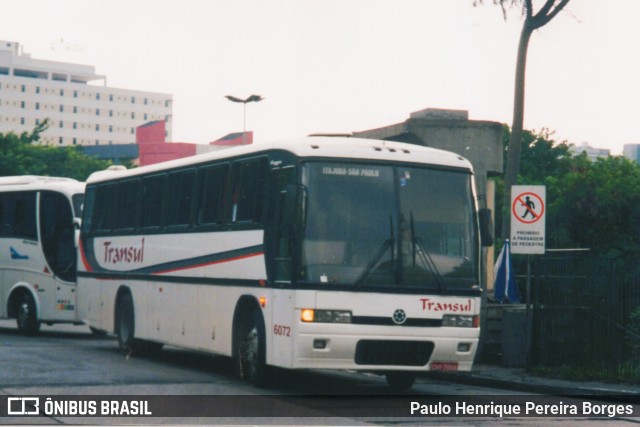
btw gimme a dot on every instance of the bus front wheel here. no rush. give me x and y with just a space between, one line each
250 352
27 318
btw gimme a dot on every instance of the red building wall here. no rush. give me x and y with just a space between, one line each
150 153
151 133
152 147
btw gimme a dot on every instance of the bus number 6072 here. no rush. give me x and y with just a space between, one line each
282 330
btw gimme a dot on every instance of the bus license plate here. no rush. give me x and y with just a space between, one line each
444 366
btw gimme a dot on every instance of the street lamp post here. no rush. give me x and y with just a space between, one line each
252 98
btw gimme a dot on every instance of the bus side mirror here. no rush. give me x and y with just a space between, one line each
76 231
486 227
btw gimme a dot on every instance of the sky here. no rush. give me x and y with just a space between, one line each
336 66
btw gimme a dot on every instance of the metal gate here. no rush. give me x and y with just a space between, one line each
582 316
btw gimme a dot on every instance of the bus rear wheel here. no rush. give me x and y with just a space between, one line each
250 350
129 344
400 382
126 325
27 318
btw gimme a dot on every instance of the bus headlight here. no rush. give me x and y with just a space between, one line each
325 316
460 321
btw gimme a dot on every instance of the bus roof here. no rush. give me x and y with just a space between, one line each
34 182
310 147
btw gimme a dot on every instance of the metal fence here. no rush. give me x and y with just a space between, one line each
582 316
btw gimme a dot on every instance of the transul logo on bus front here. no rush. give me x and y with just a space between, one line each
453 307
123 254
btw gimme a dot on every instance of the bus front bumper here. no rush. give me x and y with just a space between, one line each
384 353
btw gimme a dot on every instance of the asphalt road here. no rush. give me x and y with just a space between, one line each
70 361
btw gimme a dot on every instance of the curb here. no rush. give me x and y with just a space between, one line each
570 389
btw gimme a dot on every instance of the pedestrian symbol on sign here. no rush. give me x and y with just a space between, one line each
528 208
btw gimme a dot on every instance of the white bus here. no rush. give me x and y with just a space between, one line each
329 253
39 217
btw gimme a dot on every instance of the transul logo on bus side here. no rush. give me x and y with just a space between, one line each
454 307
123 254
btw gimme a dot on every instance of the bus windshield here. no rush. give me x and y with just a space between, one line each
388 226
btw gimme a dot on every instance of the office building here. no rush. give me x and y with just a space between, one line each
592 153
80 111
632 152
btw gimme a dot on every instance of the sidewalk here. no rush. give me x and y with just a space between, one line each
519 380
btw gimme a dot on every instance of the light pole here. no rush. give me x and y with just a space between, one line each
252 98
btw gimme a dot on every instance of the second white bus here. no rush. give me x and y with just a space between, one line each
331 253
39 217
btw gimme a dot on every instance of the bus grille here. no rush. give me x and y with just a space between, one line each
388 321
399 353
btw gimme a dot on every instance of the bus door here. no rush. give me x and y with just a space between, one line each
282 218
58 246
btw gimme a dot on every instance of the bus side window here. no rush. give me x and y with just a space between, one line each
19 216
102 220
212 185
126 205
247 196
6 215
182 187
153 200
3 221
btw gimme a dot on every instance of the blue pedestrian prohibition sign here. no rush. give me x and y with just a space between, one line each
527 207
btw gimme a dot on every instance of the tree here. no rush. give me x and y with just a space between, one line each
532 21
13 150
20 155
596 206
592 205
543 162
67 162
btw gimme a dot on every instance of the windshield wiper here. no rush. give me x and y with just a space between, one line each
389 243
420 250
